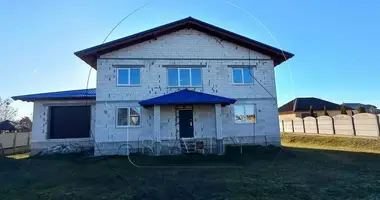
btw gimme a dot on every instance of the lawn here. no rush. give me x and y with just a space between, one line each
260 173
344 143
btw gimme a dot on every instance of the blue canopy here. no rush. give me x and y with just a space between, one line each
70 94
187 97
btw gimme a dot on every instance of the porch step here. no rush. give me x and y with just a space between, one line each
188 146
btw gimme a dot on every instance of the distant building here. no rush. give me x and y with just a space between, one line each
368 107
7 126
300 107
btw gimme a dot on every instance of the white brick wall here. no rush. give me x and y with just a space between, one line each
185 47
40 130
204 121
106 130
186 43
168 123
266 123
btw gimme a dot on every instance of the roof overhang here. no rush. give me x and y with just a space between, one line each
187 97
91 55
84 94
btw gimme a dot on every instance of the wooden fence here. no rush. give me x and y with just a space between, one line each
363 124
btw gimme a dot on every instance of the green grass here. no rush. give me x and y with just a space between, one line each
354 144
260 173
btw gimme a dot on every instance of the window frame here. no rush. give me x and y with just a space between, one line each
129 77
242 75
129 117
179 77
246 121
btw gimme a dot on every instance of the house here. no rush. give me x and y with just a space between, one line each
300 107
368 107
7 126
180 87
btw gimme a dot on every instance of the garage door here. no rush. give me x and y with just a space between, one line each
69 122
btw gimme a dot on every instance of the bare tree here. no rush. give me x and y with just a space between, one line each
7 112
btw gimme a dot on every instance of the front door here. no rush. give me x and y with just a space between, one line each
186 124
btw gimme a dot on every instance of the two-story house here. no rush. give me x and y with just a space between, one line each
182 86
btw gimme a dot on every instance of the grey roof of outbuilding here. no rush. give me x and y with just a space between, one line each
304 103
7 125
357 105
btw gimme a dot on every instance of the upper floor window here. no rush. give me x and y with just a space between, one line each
245 113
128 116
128 76
242 76
184 77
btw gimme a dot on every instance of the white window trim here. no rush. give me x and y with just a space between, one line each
242 76
129 117
179 78
245 122
129 77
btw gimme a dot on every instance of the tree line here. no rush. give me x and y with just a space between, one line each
8 114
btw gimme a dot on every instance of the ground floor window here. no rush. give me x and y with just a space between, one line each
245 113
128 116
69 122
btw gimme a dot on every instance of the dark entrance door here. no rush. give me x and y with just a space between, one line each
186 124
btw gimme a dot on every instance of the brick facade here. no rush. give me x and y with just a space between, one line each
186 47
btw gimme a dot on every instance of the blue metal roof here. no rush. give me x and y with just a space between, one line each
187 97
7 125
183 97
61 95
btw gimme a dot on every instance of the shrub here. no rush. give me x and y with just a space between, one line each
343 110
311 111
325 111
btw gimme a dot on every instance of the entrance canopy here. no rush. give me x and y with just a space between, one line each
187 97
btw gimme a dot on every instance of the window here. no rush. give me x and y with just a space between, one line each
242 76
184 77
128 76
245 113
128 116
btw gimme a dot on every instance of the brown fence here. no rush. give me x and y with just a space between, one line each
11 143
363 124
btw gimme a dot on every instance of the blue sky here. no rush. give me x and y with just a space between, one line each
335 42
